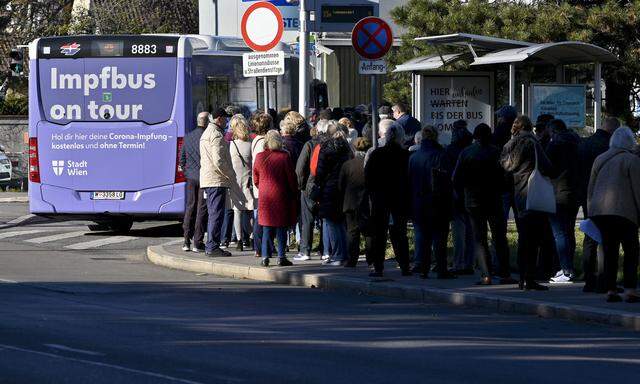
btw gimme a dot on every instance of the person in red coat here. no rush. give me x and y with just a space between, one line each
275 178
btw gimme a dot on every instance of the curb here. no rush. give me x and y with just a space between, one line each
14 200
158 256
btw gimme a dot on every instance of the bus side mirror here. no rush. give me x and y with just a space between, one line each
16 63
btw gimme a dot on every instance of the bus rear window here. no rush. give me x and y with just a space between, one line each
113 89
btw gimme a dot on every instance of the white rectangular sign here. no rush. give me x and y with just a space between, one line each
372 67
448 98
255 64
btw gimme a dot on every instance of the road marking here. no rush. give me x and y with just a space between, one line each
99 364
21 219
6 235
174 242
69 349
61 236
101 242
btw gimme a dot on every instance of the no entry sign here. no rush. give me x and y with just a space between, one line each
262 26
372 38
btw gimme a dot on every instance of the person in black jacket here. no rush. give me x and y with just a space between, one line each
195 213
352 187
386 181
463 252
306 183
430 196
409 124
519 160
548 262
480 179
588 150
562 151
334 152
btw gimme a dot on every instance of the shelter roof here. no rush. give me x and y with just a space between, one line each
430 62
565 52
486 43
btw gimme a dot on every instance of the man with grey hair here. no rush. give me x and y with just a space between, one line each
383 127
417 139
387 181
588 150
195 213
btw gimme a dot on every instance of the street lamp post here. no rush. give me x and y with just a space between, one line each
303 60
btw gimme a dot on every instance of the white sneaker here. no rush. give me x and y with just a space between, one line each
562 279
326 257
333 263
560 273
301 257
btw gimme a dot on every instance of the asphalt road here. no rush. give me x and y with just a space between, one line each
103 315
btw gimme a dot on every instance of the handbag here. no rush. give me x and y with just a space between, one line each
244 164
540 193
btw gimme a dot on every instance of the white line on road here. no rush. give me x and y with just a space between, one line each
21 219
69 349
61 236
6 235
99 364
101 242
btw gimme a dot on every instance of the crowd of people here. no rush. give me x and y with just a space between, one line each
261 181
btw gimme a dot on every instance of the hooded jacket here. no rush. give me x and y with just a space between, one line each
333 154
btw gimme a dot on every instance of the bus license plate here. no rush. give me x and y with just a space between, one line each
107 196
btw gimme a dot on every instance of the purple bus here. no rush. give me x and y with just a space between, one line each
107 116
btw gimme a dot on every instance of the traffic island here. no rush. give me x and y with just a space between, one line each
563 301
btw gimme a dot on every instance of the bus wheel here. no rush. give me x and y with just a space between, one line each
99 227
121 225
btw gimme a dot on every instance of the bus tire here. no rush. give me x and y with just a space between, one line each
98 227
121 225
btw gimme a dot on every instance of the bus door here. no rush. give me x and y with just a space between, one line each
273 92
217 92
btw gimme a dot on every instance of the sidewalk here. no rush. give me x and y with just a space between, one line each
566 302
14 197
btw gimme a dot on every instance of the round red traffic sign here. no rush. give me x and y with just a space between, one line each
372 38
262 26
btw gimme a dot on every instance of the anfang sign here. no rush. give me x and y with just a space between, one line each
372 67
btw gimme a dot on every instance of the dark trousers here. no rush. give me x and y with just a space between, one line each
195 214
226 233
268 234
547 257
397 232
530 241
216 198
563 225
593 275
493 216
307 221
353 237
431 238
616 231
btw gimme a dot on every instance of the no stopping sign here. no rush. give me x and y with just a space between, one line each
372 38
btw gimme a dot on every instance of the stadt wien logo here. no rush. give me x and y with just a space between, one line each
70 49
58 167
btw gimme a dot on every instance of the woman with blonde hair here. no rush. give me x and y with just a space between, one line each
274 176
242 199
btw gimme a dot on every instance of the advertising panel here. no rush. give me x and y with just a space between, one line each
562 101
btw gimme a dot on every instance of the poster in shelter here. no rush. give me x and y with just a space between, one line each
562 101
446 99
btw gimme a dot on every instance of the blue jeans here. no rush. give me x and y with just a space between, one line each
463 245
267 241
563 225
216 198
337 235
431 238
326 240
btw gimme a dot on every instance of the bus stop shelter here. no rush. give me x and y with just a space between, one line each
482 52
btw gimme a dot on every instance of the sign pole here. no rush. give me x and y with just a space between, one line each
266 94
303 61
374 110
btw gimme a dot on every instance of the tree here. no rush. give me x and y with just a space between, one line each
611 24
145 16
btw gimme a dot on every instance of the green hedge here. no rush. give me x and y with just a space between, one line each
14 105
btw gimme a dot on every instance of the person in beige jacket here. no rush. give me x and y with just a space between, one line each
613 201
216 177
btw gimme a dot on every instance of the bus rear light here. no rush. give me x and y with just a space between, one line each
34 163
180 178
